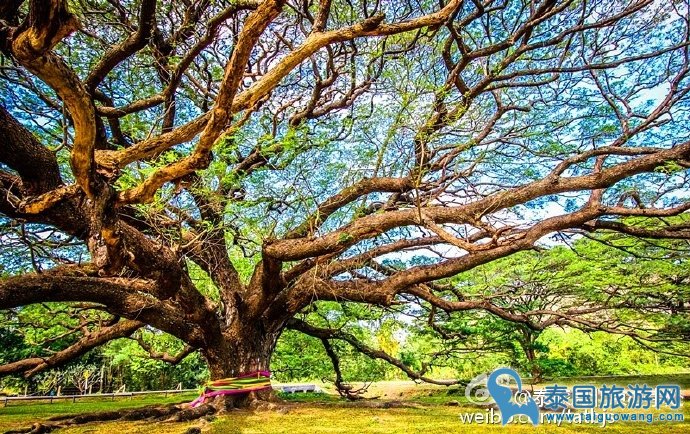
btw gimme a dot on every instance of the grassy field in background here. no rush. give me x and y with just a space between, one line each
401 407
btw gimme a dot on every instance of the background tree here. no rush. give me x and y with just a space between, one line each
305 151
626 282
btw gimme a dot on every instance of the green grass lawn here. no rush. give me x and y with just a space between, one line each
402 407
427 419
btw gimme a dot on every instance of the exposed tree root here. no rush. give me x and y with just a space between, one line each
167 413
261 401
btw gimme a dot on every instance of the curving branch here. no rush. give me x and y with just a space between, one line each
34 365
133 43
130 298
47 24
325 333
173 359
372 225
20 151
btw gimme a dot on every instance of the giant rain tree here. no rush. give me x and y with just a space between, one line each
302 151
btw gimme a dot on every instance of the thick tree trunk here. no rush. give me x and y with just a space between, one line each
243 349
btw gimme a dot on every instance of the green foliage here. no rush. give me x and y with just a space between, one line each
299 358
131 366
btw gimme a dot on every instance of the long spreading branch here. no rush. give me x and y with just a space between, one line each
35 365
324 333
